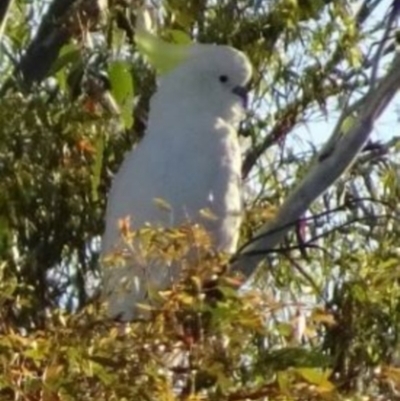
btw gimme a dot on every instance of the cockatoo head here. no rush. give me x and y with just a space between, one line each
195 78
211 79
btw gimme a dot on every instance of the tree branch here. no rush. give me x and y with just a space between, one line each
44 48
289 116
63 20
323 173
4 13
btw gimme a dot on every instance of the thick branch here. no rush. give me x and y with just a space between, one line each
44 48
63 20
323 173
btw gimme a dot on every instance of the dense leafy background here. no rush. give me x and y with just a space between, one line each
320 321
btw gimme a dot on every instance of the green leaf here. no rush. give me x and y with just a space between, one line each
179 37
122 89
69 54
162 55
296 357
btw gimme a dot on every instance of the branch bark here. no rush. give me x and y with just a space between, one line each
324 171
44 48
63 20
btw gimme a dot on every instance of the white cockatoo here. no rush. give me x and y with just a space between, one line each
190 158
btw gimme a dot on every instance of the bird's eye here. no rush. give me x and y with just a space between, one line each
223 78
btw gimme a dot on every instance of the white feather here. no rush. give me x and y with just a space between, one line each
190 158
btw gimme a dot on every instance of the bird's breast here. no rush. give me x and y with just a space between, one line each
190 169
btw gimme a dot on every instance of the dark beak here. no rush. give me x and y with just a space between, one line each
242 92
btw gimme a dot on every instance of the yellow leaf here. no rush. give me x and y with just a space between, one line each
283 381
318 377
348 123
162 204
52 372
208 214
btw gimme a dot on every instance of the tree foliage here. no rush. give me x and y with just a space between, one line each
319 319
